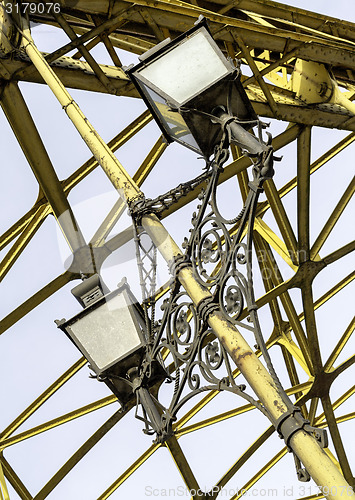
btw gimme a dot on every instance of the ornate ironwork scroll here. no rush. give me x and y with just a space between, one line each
221 261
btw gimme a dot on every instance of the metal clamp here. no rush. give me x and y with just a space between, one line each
177 263
293 421
138 207
206 307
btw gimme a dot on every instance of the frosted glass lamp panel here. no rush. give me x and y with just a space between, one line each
107 333
188 68
173 121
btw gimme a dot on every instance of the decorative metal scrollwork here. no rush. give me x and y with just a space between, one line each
181 341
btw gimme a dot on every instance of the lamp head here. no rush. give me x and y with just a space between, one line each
183 80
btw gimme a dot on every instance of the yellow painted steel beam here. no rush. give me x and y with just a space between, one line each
295 351
85 53
118 141
19 226
25 130
313 410
73 180
328 295
243 490
159 35
267 8
14 480
281 285
302 17
140 461
81 452
106 26
329 155
333 219
238 165
182 430
186 10
151 160
303 189
182 464
292 373
320 418
342 418
304 445
4 493
74 74
338 254
36 299
267 68
51 424
269 97
298 331
103 154
107 42
43 398
266 276
340 346
343 366
311 327
336 438
255 35
274 241
241 461
279 323
125 41
23 240
305 115
119 207
281 218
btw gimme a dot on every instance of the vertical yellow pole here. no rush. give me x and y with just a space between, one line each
318 464
4 494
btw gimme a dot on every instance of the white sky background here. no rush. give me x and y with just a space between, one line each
36 353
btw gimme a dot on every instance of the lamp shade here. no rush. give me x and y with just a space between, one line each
109 330
183 80
187 68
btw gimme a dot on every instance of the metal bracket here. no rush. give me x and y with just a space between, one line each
293 421
138 208
206 307
302 474
177 263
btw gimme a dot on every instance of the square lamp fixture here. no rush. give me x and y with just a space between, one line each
183 81
109 331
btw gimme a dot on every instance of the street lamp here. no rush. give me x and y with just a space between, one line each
110 333
195 94
191 88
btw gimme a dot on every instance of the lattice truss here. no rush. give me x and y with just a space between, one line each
298 69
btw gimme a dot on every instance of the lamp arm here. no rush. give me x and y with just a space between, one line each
238 134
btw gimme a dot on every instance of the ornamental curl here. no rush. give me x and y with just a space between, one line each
210 249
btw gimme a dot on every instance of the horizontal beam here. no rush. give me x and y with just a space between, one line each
36 299
73 73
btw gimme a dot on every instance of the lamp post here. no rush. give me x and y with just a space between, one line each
199 330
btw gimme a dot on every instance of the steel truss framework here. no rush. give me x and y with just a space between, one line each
272 40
